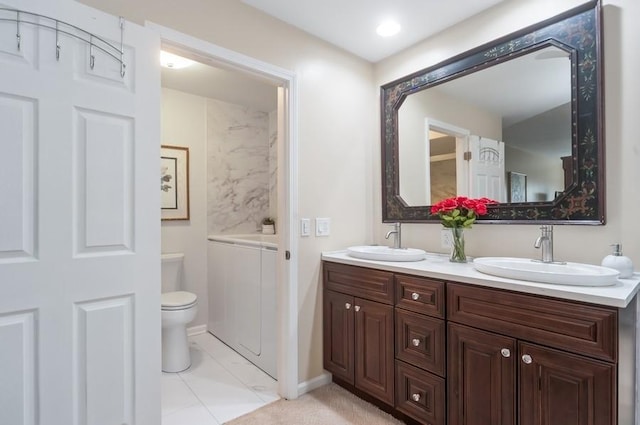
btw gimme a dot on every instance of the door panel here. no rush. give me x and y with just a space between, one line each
338 335
486 169
79 222
103 184
245 281
374 349
269 338
220 311
104 362
17 165
558 388
481 377
18 368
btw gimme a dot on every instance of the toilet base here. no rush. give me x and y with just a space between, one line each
175 349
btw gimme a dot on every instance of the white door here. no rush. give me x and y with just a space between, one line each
79 222
486 169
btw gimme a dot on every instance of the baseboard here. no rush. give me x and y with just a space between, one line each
196 330
312 384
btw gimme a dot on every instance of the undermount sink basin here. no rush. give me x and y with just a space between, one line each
384 253
576 274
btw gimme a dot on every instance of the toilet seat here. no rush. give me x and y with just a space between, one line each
178 300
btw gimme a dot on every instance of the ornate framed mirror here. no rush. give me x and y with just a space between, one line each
526 108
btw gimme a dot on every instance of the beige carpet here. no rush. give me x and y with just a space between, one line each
328 405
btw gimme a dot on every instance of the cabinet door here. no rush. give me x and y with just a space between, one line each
338 339
481 377
558 388
374 349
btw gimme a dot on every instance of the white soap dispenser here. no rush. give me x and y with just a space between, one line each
619 262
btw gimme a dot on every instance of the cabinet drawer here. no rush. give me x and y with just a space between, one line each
421 295
420 394
572 326
366 283
420 341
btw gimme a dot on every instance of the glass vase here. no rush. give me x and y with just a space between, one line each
457 245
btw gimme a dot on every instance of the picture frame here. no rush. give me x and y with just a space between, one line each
516 187
174 182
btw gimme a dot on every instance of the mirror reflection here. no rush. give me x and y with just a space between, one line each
503 132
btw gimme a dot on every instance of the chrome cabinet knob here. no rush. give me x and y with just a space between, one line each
347 306
415 296
527 359
415 397
415 342
505 352
356 308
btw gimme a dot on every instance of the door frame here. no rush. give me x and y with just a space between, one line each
462 146
287 327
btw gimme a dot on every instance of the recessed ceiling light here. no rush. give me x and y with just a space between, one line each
169 60
388 29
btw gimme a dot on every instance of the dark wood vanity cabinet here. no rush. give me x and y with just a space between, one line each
499 371
358 332
444 353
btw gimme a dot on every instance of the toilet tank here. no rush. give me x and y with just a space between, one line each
172 271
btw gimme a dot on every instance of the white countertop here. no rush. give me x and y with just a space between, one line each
438 266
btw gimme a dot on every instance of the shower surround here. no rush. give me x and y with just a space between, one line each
241 167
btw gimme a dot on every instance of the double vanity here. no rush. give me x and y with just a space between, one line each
435 342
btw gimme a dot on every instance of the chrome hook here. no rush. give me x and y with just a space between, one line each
18 37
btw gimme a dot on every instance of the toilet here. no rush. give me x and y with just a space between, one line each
178 309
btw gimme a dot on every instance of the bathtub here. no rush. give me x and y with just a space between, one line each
251 239
241 274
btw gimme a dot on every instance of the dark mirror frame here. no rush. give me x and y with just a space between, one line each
577 31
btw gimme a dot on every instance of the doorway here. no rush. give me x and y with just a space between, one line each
286 83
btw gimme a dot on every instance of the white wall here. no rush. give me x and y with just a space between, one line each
184 124
622 104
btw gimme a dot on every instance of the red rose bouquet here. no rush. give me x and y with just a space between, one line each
461 211
457 214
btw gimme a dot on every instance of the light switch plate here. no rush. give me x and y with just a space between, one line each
305 227
323 226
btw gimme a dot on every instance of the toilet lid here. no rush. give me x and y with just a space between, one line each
178 299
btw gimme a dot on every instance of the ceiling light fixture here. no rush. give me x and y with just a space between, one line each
169 60
388 29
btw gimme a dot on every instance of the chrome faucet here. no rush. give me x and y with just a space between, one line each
397 232
545 241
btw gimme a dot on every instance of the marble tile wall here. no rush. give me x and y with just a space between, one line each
240 174
273 164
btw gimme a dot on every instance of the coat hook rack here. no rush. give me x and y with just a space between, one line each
21 17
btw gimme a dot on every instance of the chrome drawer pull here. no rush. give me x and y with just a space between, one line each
415 342
527 359
505 352
347 306
415 397
357 308
415 296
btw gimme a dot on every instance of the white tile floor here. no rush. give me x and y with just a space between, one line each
219 386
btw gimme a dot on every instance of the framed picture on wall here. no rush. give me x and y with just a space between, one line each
174 182
517 187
